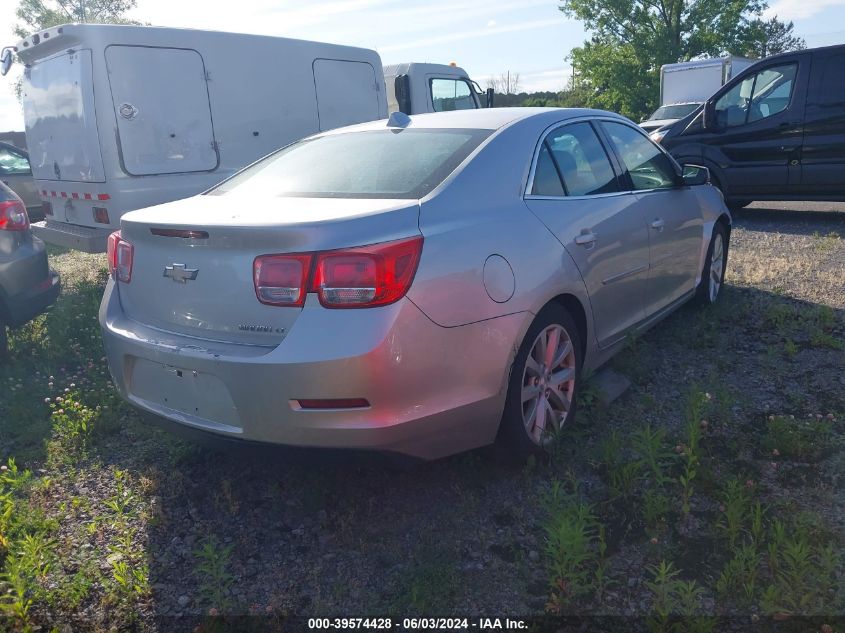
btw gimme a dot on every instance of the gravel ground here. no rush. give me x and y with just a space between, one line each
314 535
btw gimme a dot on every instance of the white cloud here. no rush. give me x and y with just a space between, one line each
547 80
797 9
491 23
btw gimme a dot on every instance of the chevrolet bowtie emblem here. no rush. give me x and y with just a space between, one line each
179 273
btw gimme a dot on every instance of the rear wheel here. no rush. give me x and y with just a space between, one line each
715 263
543 384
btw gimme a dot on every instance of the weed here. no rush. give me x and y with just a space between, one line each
655 508
735 511
672 598
739 576
807 439
571 536
213 571
650 445
790 348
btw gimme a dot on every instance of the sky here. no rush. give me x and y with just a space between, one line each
485 37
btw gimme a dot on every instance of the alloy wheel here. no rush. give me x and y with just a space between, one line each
548 383
717 266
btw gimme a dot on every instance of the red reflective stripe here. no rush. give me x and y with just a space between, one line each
103 196
88 196
64 194
53 193
75 196
43 192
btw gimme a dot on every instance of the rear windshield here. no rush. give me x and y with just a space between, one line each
373 164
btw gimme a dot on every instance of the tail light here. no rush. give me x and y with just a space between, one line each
120 254
362 277
280 280
13 216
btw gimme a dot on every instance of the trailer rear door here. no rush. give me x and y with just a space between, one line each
61 121
163 112
347 92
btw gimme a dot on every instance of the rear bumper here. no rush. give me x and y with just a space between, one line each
80 238
27 305
433 391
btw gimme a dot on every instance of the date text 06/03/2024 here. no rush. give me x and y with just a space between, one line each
414 624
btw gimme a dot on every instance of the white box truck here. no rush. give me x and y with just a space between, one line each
414 87
686 85
124 117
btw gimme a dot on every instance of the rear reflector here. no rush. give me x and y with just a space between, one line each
183 233
120 254
13 216
101 215
343 403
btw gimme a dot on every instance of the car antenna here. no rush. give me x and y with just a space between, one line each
399 119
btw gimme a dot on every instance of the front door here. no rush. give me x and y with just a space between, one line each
757 130
672 214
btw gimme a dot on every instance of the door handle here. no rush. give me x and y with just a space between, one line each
586 239
658 224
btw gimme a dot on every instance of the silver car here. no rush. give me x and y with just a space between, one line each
424 286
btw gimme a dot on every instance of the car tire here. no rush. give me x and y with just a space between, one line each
736 205
541 398
715 264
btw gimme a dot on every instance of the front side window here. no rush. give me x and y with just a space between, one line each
12 163
385 163
756 97
451 94
648 167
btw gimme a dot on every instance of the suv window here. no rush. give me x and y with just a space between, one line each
833 82
648 167
757 97
13 163
573 155
451 94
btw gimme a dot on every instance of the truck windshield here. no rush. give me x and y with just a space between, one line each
372 164
677 111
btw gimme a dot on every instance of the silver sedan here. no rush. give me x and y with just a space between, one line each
424 285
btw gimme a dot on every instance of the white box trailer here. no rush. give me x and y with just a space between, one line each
696 81
123 117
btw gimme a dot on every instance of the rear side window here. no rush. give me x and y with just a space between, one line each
573 162
757 97
648 167
832 91
373 164
13 163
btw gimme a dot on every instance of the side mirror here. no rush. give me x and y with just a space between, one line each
694 175
708 116
5 61
402 89
490 93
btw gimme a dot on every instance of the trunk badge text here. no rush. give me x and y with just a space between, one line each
180 273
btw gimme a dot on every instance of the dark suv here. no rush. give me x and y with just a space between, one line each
27 285
774 132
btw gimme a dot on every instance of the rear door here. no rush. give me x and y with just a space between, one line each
577 195
347 93
823 154
758 130
61 120
162 109
16 173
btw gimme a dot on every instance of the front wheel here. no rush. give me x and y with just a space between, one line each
543 384
715 264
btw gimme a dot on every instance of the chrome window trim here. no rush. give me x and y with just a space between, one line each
527 195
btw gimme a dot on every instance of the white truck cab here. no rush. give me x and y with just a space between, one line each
414 88
124 117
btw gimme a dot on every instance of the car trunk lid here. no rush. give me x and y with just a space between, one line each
192 269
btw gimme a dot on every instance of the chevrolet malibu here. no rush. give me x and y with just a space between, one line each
422 286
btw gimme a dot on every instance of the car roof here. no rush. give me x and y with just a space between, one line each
481 119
